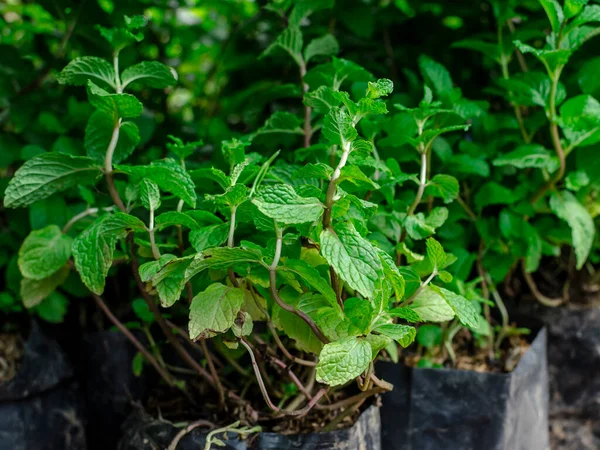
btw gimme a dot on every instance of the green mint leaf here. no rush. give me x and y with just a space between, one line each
176 218
490 49
405 313
290 40
34 291
85 68
242 326
321 99
436 254
93 249
234 151
403 334
44 252
380 88
580 120
359 312
342 361
181 149
435 75
168 175
430 336
149 73
115 105
445 276
588 77
149 194
443 186
531 89
554 12
553 60
281 203
577 180
216 175
354 258
99 132
53 308
148 270
533 255
566 206
492 193
321 171
419 227
431 306
225 257
169 275
311 277
120 38
282 122
292 325
47 174
338 127
463 308
573 7
354 175
531 155
214 311
209 236
323 46
392 274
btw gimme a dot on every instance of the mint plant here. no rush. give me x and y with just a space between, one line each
283 239
545 183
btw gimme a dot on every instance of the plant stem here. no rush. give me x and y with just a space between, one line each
554 134
123 329
179 436
81 215
265 394
213 371
331 188
420 289
345 413
307 109
467 208
351 400
503 312
116 68
506 76
230 244
155 250
329 200
422 184
546 301
289 308
276 338
166 329
108 168
486 294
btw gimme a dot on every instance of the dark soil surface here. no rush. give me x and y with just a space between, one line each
11 353
471 357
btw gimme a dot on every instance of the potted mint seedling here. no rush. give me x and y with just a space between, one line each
441 371
551 215
284 297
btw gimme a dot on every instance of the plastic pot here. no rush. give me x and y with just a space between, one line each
433 409
110 386
41 406
573 367
145 434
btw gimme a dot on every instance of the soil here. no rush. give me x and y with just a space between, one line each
11 353
571 434
471 357
172 406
